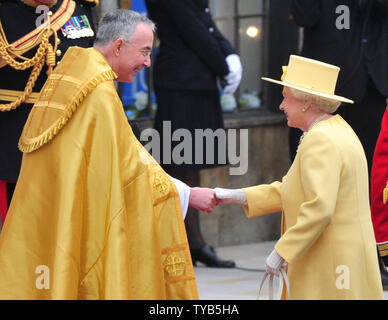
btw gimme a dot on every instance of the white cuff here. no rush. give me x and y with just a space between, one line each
184 194
274 260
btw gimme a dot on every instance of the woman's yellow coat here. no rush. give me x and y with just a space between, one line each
327 234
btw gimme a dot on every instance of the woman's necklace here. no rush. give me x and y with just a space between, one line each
305 132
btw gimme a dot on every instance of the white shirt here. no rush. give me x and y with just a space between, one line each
184 194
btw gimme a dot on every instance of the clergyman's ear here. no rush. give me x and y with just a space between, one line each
117 46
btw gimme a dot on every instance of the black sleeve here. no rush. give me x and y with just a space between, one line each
306 13
197 35
383 3
224 44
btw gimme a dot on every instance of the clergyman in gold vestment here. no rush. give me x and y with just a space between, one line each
93 215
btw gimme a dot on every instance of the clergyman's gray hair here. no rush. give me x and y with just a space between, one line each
120 23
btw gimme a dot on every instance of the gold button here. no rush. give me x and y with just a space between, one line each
58 41
59 52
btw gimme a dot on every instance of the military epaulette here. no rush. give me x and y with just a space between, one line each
32 39
385 193
45 52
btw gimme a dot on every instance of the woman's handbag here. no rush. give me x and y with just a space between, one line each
283 280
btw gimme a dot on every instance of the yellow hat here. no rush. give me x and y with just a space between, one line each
311 76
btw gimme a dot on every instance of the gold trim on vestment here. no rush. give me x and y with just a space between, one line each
28 145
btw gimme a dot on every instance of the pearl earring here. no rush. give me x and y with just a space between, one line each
303 109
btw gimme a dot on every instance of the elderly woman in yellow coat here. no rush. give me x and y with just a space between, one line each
327 241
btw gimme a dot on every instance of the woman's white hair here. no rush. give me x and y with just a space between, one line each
321 103
120 23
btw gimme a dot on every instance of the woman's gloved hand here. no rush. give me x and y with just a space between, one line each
273 263
225 196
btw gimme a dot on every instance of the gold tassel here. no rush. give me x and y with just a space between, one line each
50 59
385 193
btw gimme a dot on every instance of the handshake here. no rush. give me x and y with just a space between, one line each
205 199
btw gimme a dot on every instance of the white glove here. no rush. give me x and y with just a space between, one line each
273 263
233 78
225 196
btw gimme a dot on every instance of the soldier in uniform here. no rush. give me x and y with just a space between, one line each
34 35
379 193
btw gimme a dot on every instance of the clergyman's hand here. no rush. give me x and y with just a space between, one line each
202 199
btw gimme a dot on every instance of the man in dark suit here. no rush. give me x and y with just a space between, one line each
193 56
352 34
20 19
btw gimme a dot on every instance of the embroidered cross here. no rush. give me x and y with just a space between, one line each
161 184
174 265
